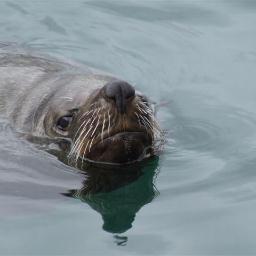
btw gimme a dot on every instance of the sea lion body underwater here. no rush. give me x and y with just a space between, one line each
103 118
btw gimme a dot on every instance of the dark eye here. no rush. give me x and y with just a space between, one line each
63 122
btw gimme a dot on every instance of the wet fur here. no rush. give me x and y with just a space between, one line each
35 91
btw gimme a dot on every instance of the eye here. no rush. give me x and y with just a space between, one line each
63 122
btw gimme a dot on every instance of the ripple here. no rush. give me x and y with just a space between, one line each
205 127
211 150
196 134
17 7
52 25
179 13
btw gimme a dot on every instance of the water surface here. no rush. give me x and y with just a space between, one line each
197 59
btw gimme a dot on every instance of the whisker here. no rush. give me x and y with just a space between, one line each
87 113
96 126
88 131
80 144
78 152
144 105
77 143
141 110
84 124
84 152
85 121
138 118
147 122
91 144
103 126
108 122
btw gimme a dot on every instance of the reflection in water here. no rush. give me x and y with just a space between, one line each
120 240
118 193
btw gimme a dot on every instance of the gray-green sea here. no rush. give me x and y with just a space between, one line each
197 60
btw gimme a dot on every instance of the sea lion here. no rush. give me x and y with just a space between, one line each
102 118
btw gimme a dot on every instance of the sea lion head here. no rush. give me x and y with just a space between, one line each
112 123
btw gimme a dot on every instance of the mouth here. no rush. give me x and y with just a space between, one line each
122 148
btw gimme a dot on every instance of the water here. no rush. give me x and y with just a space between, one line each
196 58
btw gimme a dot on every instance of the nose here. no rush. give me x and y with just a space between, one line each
121 92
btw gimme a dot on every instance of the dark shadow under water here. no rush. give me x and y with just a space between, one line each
117 193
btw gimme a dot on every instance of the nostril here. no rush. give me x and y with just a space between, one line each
110 90
128 91
121 92
119 88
